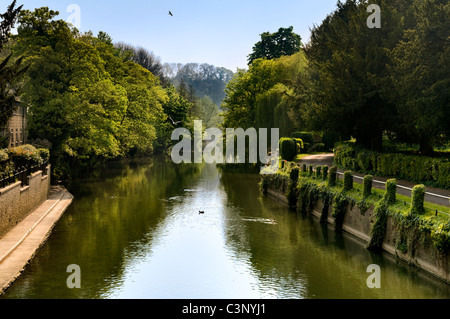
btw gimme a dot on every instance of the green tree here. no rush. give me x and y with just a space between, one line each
420 69
348 74
10 69
259 97
84 97
275 45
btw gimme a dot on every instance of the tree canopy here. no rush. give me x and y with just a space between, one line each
11 68
275 45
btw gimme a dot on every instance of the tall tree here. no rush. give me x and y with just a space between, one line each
420 73
275 45
146 59
349 74
10 71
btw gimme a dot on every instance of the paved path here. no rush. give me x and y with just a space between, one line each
20 244
434 195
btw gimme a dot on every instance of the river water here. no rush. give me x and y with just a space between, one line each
135 232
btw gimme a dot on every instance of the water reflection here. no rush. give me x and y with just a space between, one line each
136 232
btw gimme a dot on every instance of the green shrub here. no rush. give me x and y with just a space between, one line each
288 149
324 172
329 140
367 183
4 157
418 198
44 154
332 176
25 155
306 147
294 175
391 190
317 147
319 172
304 169
306 137
348 181
378 230
434 171
299 145
341 203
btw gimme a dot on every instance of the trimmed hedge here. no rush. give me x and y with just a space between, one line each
299 144
367 182
348 181
332 176
418 198
306 137
434 171
391 191
288 149
324 172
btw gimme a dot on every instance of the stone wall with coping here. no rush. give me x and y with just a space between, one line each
16 202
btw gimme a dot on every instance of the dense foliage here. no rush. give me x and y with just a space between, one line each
412 225
354 81
433 171
87 98
11 68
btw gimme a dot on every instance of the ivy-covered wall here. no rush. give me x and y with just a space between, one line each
380 221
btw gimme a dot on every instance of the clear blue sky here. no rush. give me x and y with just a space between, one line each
218 32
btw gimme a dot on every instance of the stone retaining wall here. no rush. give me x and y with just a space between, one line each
425 257
16 202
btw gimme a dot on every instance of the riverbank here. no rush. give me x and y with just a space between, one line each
21 243
415 240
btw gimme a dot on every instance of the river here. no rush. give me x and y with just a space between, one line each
135 232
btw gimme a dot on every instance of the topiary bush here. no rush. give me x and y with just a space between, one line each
418 198
299 145
288 149
324 172
319 172
332 176
304 169
367 184
348 181
391 190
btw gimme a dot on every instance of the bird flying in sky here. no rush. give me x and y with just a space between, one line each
170 13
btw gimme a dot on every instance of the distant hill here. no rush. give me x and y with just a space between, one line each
205 79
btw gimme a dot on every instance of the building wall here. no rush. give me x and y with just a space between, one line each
16 130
